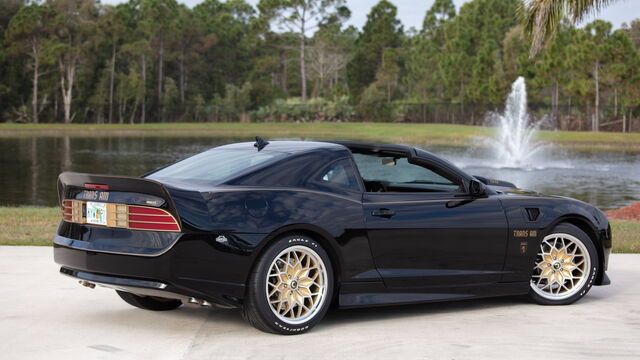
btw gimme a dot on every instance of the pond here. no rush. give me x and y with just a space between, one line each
30 166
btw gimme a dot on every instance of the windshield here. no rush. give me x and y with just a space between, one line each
212 166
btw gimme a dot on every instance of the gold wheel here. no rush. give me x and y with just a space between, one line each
296 284
562 267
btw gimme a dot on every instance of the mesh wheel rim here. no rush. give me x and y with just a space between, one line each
562 267
296 284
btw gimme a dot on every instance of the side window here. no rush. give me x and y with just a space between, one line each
339 174
396 174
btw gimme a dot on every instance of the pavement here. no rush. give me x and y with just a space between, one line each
44 315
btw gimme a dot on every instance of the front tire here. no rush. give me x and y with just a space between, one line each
291 286
566 266
149 302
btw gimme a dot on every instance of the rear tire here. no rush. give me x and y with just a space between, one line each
566 266
291 287
149 302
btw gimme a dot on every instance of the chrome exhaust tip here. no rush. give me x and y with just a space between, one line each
85 283
195 301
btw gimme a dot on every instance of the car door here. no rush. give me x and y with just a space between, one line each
434 236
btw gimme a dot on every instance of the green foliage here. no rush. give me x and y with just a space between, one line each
541 18
381 31
294 110
235 103
224 60
301 16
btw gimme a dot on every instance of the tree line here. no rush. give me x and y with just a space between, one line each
158 60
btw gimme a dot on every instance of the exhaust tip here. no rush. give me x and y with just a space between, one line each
85 283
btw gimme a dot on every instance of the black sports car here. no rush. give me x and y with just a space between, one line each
285 229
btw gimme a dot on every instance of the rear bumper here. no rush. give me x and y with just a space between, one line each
141 287
114 240
173 274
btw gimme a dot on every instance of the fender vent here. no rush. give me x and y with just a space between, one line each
533 213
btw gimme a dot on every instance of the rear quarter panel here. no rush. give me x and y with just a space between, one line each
249 218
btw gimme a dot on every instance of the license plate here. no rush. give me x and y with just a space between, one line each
96 213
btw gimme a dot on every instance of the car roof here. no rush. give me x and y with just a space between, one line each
285 146
372 147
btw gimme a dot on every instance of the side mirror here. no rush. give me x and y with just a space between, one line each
476 188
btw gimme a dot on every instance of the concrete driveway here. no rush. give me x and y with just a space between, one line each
44 315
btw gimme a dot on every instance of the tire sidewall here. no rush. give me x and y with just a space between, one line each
593 270
258 283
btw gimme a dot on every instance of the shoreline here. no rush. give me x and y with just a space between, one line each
418 134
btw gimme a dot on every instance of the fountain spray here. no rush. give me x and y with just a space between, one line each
514 146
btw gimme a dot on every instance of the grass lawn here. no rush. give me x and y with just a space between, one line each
36 226
420 134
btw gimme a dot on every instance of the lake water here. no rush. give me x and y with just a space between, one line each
30 166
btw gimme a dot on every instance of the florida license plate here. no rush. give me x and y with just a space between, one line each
96 213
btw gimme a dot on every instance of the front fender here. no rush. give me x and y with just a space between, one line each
526 234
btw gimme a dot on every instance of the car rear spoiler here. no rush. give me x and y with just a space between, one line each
70 184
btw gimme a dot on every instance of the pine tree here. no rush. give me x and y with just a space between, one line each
382 31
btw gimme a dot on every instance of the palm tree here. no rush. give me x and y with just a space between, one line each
542 17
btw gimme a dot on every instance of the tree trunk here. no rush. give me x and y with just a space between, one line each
55 106
462 114
160 75
144 90
556 99
285 72
303 70
36 75
182 77
67 78
120 102
596 117
615 101
111 81
133 112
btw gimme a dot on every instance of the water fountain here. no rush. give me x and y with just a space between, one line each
514 146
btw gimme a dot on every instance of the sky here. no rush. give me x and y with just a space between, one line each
411 12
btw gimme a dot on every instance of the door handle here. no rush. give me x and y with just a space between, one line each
383 213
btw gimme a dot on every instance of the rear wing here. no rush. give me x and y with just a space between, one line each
144 201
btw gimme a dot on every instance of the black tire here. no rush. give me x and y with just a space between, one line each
591 272
149 302
256 309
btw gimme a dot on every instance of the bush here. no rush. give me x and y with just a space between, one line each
315 110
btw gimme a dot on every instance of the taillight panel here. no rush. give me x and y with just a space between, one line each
123 216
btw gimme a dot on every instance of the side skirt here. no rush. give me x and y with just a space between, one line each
375 294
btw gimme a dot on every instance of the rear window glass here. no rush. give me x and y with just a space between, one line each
340 174
213 165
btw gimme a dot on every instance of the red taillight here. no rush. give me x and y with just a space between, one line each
124 216
97 186
146 210
146 218
154 226
72 210
154 218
